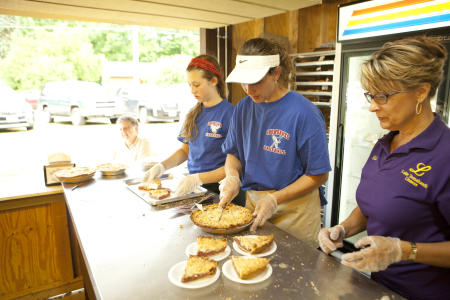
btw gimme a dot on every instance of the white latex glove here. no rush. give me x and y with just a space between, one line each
229 188
156 171
265 208
188 184
382 252
331 238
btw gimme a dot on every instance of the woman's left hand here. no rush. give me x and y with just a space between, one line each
265 208
379 253
188 184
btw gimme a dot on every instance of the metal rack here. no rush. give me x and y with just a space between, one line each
314 78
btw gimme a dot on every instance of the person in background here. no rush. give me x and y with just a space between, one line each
276 145
203 132
404 194
133 150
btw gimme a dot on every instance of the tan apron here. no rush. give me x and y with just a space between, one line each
299 217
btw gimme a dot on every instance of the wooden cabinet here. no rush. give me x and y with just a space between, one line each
35 249
314 79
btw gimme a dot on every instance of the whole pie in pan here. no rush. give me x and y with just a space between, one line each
111 167
233 216
75 172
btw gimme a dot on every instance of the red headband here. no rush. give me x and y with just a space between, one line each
205 65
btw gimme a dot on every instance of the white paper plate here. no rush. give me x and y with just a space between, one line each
230 273
191 249
267 252
176 272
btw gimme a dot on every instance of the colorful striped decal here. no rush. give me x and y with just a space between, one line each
402 14
387 6
396 15
423 21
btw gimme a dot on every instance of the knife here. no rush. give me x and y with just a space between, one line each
221 213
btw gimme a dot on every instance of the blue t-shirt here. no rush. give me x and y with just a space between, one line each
406 194
205 150
277 142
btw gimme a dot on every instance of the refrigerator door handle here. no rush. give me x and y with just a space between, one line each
339 143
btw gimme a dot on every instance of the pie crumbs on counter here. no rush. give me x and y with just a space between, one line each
181 226
283 266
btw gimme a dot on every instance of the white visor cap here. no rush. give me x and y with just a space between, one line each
252 68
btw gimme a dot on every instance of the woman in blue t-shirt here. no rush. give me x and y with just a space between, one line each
203 132
276 145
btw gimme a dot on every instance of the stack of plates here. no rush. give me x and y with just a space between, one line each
111 169
76 174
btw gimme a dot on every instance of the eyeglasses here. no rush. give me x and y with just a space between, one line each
380 98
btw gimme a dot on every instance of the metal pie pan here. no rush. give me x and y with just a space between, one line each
226 230
75 179
113 173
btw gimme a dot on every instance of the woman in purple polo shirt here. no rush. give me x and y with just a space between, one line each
404 194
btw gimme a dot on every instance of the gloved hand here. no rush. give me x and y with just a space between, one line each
382 252
331 238
229 188
156 171
265 208
188 184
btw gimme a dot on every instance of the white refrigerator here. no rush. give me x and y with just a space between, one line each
353 129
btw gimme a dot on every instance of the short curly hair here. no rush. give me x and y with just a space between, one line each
405 64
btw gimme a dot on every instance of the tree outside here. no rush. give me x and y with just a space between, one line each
36 51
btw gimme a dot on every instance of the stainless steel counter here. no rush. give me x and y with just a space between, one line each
129 247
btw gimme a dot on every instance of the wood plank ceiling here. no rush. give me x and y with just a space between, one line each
183 14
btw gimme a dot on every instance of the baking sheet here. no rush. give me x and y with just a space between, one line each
170 184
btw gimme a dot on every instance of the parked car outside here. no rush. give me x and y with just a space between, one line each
31 96
14 111
79 100
151 102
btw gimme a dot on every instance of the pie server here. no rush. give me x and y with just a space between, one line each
137 180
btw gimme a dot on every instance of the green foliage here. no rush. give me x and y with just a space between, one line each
173 70
35 51
115 45
46 56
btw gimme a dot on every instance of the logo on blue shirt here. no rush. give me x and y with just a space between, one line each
214 126
277 138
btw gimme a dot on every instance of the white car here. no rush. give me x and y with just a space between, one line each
14 110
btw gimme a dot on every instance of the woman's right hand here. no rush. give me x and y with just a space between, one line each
229 188
156 171
331 238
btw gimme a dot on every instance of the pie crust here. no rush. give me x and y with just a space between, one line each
233 216
208 246
152 185
198 267
159 194
111 167
247 267
75 172
254 244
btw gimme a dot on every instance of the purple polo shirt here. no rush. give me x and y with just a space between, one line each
406 194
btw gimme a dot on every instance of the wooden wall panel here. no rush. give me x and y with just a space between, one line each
34 248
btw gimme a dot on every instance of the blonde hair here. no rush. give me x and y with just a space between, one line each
189 131
405 64
261 46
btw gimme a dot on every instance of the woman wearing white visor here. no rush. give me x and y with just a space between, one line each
276 145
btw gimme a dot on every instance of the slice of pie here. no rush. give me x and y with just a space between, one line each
208 246
159 194
247 267
254 244
198 267
152 185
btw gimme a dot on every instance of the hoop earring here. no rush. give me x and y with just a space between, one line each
418 108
